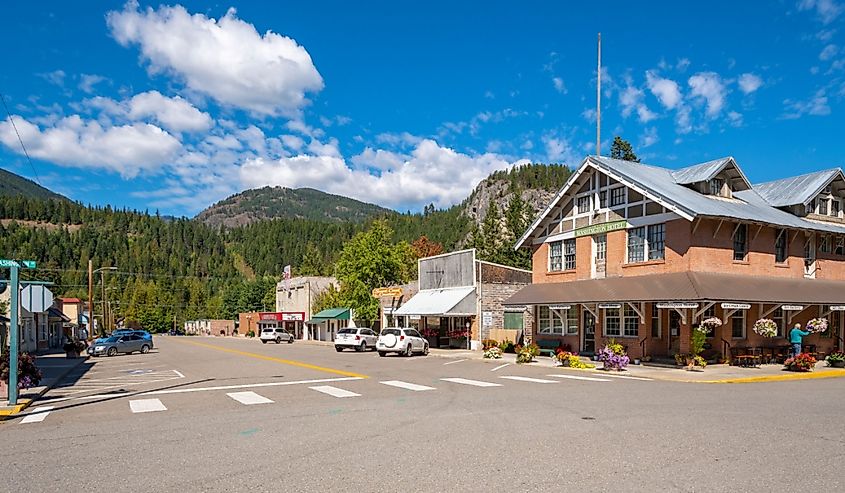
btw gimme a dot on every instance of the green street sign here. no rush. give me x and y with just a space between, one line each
29 264
8 263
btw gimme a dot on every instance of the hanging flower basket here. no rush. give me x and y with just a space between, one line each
817 325
708 325
766 327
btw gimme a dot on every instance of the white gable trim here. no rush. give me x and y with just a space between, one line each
816 193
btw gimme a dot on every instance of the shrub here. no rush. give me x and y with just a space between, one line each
685 359
250 333
75 346
527 353
28 373
507 347
489 343
697 342
835 357
802 362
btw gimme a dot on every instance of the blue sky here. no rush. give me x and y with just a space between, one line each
176 106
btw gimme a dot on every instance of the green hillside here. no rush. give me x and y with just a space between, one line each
12 184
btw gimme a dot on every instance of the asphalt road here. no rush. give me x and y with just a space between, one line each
535 432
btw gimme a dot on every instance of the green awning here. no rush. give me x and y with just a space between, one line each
330 314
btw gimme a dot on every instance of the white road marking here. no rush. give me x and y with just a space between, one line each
453 362
251 385
627 377
146 406
476 383
406 385
334 391
179 373
576 377
526 379
37 415
500 367
249 398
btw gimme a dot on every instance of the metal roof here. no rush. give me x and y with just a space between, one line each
333 314
796 189
439 302
700 172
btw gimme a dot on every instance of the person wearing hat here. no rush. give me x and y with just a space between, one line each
796 336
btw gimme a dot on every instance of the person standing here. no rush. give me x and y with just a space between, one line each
796 336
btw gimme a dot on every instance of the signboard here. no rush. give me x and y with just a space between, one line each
560 307
36 298
514 308
793 308
293 317
414 317
487 319
270 316
678 305
601 228
736 306
28 264
609 306
394 292
837 308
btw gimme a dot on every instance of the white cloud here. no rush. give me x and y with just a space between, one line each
630 99
827 10
72 141
56 77
88 81
559 85
828 52
559 150
816 106
709 85
649 138
226 59
749 83
666 90
683 64
174 114
683 120
430 173
735 118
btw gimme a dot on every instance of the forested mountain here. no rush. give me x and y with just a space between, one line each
12 184
259 204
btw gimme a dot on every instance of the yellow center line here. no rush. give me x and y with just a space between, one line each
276 360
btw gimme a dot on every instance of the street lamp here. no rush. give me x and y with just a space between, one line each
91 273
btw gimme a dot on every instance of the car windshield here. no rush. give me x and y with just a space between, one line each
268 330
347 331
395 332
112 339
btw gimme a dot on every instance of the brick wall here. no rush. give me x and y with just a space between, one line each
492 296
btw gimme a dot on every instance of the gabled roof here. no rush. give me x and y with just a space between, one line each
705 171
659 185
796 189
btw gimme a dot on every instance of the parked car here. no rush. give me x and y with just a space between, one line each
277 334
404 341
357 338
138 332
127 344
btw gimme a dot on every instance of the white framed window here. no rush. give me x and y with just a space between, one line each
603 199
569 254
840 245
548 322
779 320
636 244
715 186
612 323
741 242
555 256
617 196
811 207
823 207
631 322
834 207
780 246
656 241
824 244
583 204
656 324
572 321
738 324
647 242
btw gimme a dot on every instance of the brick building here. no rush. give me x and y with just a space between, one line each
642 254
210 327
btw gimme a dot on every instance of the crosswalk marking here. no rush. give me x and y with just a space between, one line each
526 379
576 377
146 406
249 398
406 385
334 391
37 415
476 383
628 377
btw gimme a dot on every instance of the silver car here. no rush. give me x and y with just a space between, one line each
357 338
125 344
404 341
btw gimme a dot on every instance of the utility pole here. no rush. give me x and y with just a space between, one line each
90 298
14 323
598 104
103 286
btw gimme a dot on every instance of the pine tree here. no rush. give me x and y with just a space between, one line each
621 149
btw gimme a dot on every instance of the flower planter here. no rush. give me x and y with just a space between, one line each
837 364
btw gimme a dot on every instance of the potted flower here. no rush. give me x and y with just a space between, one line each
817 325
74 348
431 335
802 362
493 353
836 359
526 354
613 356
571 360
28 373
708 324
766 327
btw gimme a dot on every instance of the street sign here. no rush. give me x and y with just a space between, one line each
29 264
487 319
8 263
736 306
36 299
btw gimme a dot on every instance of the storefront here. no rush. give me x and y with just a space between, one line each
324 325
292 322
445 316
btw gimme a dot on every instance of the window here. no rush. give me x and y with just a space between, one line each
601 247
834 207
572 321
833 326
636 244
656 241
840 245
584 204
824 244
549 322
716 185
569 254
617 196
555 256
631 325
655 321
603 199
513 320
544 323
738 324
612 323
780 246
778 319
823 206
741 242
811 207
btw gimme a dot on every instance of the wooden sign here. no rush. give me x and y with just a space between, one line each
736 306
792 308
394 292
677 305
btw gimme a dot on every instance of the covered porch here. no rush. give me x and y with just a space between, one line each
324 325
446 317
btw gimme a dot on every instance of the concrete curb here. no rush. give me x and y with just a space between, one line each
10 412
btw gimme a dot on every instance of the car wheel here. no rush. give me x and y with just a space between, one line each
112 351
145 349
425 350
278 340
338 349
363 347
263 341
409 351
382 354
290 340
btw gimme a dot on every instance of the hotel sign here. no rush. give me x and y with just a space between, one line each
736 306
601 228
793 308
678 305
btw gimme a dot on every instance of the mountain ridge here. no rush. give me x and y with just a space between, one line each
12 184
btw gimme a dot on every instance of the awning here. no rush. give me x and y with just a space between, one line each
330 314
685 286
452 301
56 313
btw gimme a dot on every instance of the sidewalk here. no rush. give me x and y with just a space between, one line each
53 368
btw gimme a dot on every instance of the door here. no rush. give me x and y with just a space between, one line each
599 256
589 333
674 332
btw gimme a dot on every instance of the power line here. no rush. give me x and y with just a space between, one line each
37 178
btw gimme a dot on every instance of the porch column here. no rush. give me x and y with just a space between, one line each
686 334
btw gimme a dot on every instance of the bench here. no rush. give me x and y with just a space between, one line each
548 346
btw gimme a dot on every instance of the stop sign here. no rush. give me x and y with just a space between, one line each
36 299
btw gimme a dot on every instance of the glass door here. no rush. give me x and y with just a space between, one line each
589 333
